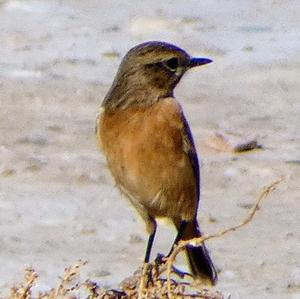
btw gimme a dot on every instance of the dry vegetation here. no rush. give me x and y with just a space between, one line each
160 279
70 287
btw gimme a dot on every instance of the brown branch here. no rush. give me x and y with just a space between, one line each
198 241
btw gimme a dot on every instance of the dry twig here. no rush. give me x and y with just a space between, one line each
198 241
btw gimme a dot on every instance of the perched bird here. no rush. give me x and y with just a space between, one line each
149 147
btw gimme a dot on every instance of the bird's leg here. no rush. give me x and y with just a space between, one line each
179 236
146 272
148 268
149 246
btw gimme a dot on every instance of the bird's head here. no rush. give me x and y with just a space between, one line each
148 72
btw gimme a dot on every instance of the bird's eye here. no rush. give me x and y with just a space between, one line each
172 64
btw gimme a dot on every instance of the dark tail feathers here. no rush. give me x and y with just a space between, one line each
201 264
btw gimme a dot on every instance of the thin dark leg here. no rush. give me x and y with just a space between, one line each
179 236
149 246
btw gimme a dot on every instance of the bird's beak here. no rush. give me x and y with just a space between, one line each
197 61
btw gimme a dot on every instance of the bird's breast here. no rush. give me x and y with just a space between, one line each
144 150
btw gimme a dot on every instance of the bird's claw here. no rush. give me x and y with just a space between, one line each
160 259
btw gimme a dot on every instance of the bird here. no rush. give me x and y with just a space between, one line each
149 147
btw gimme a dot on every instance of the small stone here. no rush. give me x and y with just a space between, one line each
294 279
111 54
83 178
88 232
102 273
33 168
113 28
261 263
289 235
246 205
55 128
248 49
134 239
8 172
212 219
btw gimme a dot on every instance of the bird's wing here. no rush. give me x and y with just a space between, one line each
190 150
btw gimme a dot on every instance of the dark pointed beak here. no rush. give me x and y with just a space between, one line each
195 61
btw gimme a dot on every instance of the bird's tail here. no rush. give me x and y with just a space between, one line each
200 262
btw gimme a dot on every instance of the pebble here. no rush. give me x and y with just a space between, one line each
294 279
289 235
8 172
102 273
134 238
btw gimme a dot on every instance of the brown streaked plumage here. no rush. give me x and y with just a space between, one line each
149 147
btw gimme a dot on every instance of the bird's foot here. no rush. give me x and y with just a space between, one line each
161 260
179 273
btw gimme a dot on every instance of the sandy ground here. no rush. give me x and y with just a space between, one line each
58 202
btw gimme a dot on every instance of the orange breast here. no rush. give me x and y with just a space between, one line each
144 150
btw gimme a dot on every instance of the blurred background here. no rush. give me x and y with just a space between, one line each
58 202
